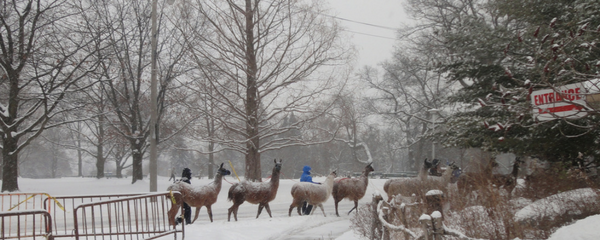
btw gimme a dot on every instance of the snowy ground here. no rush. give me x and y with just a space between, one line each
281 226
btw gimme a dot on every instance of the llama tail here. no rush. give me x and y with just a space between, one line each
236 187
386 186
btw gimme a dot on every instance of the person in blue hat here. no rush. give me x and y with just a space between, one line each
306 209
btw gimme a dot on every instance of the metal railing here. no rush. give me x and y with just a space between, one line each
61 210
16 202
22 224
143 216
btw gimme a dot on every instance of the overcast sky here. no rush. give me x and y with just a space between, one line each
374 43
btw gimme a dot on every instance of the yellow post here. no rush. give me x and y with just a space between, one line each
233 169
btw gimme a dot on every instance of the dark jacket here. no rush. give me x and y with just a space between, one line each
186 176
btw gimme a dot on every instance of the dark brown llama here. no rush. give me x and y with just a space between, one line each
351 188
198 196
260 193
313 194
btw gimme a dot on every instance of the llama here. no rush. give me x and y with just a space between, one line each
401 185
471 181
314 194
351 188
260 193
198 196
508 182
420 185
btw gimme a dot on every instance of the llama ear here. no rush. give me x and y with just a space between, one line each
221 165
275 160
369 164
280 160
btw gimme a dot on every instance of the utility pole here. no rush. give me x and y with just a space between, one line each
153 105
434 113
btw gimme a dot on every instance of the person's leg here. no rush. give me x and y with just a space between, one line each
187 214
304 208
308 209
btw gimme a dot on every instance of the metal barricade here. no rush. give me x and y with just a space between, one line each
143 216
15 202
61 210
29 224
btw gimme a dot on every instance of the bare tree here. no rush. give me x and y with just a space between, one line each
44 53
126 71
409 88
267 54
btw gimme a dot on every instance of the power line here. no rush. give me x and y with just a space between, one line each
370 35
363 23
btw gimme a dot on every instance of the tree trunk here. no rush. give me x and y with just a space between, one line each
10 165
211 160
100 165
100 159
79 156
252 101
119 170
136 167
211 145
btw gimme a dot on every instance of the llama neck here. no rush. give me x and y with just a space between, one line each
218 181
365 177
329 183
447 174
274 178
515 170
423 173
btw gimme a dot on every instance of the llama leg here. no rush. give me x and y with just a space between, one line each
197 213
323 210
260 208
268 209
355 207
336 207
229 211
209 210
235 210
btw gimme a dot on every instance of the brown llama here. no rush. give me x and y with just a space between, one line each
260 193
509 181
351 188
198 196
313 194
471 181
393 187
419 186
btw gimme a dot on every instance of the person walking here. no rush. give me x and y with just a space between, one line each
306 209
186 176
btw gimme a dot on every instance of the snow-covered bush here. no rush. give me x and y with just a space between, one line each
560 209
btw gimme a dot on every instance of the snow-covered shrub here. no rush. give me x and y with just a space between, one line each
560 209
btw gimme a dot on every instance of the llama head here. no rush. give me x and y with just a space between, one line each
277 165
518 161
222 171
427 164
369 168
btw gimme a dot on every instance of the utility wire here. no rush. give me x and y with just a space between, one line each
363 23
370 35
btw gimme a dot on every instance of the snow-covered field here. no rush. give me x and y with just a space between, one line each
281 226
